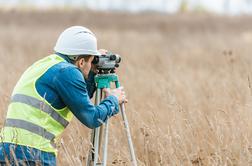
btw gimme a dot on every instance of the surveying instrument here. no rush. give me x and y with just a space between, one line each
106 65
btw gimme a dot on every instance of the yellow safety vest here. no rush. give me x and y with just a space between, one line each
31 120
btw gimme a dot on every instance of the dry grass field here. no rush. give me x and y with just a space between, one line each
188 79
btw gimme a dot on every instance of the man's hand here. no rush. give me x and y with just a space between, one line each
119 93
103 51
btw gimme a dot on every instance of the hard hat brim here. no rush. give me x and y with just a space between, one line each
73 52
97 53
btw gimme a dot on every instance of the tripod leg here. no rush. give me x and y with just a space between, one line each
101 131
94 152
105 145
126 125
91 150
100 137
96 145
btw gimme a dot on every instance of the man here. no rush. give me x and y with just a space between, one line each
47 96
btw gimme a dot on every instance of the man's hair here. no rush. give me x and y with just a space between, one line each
86 58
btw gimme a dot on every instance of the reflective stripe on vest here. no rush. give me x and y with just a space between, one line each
31 101
30 127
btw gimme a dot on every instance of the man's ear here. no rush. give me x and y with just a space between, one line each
81 62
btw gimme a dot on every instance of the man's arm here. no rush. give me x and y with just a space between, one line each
72 88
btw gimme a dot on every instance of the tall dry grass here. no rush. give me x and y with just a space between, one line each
188 80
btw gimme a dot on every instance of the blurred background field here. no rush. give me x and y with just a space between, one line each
187 76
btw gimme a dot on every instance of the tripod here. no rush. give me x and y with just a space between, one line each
103 81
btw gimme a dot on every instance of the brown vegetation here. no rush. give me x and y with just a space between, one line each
188 80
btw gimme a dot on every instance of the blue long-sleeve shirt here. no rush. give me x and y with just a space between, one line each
64 85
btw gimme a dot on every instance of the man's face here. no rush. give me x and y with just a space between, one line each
85 66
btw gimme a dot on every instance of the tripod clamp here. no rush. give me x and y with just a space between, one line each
104 81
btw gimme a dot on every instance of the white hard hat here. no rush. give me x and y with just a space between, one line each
77 40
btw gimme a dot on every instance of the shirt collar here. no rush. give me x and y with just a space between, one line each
65 57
